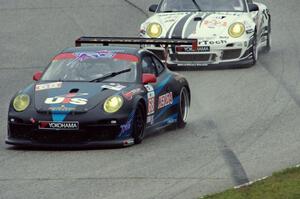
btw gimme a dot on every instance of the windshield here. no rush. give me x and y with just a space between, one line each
202 5
88 66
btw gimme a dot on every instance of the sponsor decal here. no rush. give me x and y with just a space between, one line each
151 105
149 88
224 37
126 127
214 23
200 49
197 65
71 98
62 108
150 119
212 42
115 87
54 85
129 95
165 100
151 99
59 125
82 56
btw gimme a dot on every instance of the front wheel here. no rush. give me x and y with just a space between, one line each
184 107
254 51
138 124
267 48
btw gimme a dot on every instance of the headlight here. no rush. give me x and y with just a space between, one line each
21 102
113 104
236 30
154 30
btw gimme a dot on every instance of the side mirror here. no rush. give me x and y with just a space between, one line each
153 8
253 7
37 75
149 78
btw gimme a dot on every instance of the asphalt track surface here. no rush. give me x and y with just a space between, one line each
244 124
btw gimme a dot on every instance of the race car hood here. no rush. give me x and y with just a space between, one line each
197 25
73 97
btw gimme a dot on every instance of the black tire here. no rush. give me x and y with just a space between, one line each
267 48
183 107
254 50
138 124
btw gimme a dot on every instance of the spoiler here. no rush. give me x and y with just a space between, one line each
160 49
106 41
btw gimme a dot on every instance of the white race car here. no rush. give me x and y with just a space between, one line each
230 33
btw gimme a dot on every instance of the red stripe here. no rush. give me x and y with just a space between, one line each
64 56
126 57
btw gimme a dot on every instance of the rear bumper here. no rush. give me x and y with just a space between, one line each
87 144
207 66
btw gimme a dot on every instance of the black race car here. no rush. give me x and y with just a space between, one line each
98 96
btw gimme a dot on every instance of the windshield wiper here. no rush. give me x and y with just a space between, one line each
197 5
110 75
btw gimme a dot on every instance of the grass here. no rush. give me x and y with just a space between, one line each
282 185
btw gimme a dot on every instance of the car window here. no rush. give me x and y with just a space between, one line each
203 5
159 66
87 66
148 65
249 1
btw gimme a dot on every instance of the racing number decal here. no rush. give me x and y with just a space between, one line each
151 99
151 103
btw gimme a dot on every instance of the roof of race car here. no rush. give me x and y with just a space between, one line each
127 50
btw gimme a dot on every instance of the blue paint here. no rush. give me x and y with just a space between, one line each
171 119
27 89
59 117
162 84
165 109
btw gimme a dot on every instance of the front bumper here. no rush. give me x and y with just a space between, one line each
212 53
25 131
87 144
229 55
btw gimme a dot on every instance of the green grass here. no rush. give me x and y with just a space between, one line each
282 185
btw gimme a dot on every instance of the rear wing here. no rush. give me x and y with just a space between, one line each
160 49
106 41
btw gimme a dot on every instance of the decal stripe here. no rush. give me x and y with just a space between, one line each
126 57
190 26
177 33
64 56
169 31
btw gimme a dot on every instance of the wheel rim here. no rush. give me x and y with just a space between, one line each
139 124
184 104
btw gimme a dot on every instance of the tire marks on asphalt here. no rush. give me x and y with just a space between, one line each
137 7
238 173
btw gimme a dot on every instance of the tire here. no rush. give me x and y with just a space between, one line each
267 48
183 107
254 50
138 124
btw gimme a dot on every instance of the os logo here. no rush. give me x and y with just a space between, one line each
72 98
